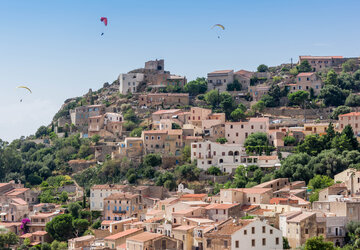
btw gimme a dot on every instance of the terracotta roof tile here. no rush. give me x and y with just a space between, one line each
123 234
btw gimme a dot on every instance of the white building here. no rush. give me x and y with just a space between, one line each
129 82
244 234
99 192
225 156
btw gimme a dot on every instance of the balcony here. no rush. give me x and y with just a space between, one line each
119 212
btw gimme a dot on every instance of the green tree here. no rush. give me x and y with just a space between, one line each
63 197
237 115
289 140
8 239
186 154
74 209
45 246
84 151
152 160
256 142
294 168
235 86
221 140
333 95
136 132
175 126
320 182
95 139
286 244
304 67
96 224
339 111
213 98
56 245
331 78
350 65
298 98
196 87
187 172
61 228
258 107
227 103
262 68
352 100
41 132
349 133
214 171
318 243
80 226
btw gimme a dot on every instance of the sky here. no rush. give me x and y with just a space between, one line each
56 49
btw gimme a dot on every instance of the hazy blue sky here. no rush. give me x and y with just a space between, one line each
55 47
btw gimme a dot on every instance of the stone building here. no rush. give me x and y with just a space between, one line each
118 206
306 82
237 132
319 63
220 79
129 82
163 99
243 234
352 119
80 115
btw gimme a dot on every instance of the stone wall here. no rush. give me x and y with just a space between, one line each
294 112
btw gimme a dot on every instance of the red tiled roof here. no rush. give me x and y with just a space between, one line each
194 196
145 236
155 132
306 74
166 111
221 71
351 114
221 206
109 186
123 234
40 233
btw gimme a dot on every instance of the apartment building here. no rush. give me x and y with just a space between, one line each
119 206
237 132
220 79
243 234
246 196
80 115
243 77
352 119
225 156
128 83
258 91
99 192
319 63
306 81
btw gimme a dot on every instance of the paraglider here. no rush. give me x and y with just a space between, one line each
24 87
105 21
218 26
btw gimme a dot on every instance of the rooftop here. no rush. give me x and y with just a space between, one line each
145 236
221 206
184 228
123 234
306 74
121 196
221 71
108 186
166 111
350 114
301 217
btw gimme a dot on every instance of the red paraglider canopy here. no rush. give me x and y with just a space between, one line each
104 20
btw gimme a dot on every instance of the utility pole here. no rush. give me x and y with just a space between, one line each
291 62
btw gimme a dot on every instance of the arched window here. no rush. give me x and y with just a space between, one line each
230 153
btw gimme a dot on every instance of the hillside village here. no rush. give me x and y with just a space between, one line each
234 160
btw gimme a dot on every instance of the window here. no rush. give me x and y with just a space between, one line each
245 232
253 230
306 231
225 243
271 231
252 126
277 241
263 229
264 241
252 243
237 244
208 243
